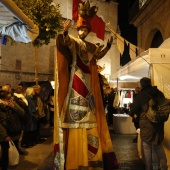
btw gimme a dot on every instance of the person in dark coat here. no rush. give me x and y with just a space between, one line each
10 125
152 134
8 88
30 122
135 117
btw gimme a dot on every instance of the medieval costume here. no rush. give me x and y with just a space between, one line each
81 135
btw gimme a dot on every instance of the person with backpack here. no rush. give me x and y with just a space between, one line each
152 133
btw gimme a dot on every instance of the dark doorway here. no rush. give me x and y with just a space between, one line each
157 40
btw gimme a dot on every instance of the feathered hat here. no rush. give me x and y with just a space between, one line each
85 15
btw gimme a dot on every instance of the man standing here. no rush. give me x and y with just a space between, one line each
152 134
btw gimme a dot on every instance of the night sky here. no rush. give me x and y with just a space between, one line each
128 31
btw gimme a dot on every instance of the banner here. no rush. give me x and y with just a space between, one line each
75 9
98 27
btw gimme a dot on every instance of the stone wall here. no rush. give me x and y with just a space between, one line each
18 63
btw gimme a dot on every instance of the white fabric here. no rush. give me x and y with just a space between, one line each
161 78
140 67
20 32
24 29
22 97
165 44
13 154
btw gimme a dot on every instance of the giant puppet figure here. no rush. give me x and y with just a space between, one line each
81 136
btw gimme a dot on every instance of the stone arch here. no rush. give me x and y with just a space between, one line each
157 40
155 33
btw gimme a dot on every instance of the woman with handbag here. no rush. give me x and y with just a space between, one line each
10 115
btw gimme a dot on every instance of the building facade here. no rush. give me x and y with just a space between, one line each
152 20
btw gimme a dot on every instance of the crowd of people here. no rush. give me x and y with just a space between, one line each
22 111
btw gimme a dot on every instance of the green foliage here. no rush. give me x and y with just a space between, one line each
46 15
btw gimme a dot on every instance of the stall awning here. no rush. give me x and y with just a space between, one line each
140 67
133 70
14 23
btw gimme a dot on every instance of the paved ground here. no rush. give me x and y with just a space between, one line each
40 157
126 152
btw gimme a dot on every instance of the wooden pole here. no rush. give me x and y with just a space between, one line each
35 65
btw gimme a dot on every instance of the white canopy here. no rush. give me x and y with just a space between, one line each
153 63
14 23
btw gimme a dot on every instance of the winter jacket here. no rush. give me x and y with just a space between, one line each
4 112
149 132
30 123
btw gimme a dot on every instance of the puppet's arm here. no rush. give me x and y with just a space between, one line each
100 54
66 26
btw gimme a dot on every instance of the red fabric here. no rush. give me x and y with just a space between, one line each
98 27
56 149
75 9
82 66
92 149
79 86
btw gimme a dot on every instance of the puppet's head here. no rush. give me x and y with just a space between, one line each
85 15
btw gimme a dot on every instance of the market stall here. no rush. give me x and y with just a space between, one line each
153 63
122 124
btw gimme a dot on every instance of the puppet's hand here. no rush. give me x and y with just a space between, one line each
66 25
109 42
